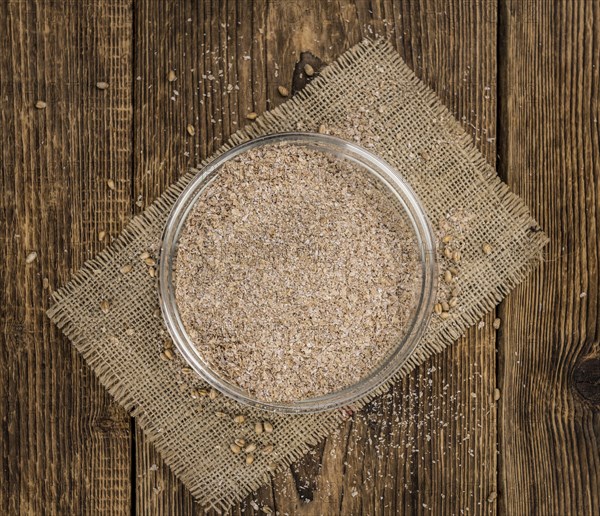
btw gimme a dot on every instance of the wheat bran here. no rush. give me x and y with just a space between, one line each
295 275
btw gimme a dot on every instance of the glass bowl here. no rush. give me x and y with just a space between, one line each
406 201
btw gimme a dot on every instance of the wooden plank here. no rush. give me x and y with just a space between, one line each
65 444
550 351
209 45
436 442
434 447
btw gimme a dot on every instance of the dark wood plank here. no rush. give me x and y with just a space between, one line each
443 456
436 442
209 45
65 444
549 361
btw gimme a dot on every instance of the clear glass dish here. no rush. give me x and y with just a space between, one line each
406 201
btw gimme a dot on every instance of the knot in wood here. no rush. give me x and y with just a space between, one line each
586 378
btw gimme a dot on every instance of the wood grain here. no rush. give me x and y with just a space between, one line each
450 468
367 470
437 443
65 444
550 433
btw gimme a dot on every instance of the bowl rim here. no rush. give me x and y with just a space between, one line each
395 359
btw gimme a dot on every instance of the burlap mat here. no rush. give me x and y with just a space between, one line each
413 131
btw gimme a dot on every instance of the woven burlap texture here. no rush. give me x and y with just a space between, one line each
417 135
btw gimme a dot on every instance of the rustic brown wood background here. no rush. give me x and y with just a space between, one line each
524 78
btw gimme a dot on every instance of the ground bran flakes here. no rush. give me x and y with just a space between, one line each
295 274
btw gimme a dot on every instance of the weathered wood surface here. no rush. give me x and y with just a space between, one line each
65 444
549 365
442 445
